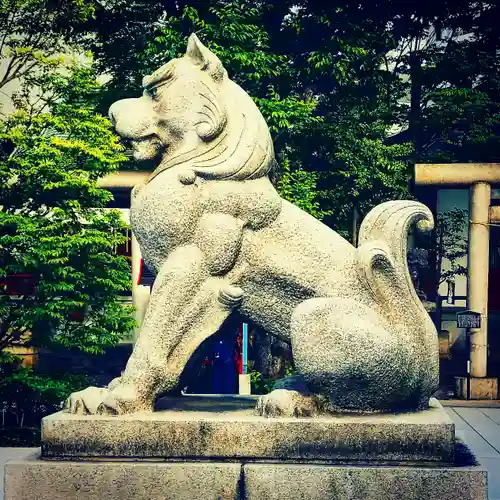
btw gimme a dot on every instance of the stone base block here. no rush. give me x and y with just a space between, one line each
317 482
480 388
33 478
230 429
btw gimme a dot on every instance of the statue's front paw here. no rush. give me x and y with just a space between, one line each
86 402
122 399
287 403
116 399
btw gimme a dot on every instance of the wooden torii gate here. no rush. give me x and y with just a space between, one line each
478 177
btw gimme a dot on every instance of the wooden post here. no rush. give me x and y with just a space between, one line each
477 273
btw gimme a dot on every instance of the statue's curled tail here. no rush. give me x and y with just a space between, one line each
383 265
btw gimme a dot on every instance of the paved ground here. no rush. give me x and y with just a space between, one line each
478 427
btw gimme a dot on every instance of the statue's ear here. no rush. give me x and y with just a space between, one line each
203 57
197 52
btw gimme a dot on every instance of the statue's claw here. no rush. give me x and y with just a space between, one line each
85 402
109 406
116 399
287 403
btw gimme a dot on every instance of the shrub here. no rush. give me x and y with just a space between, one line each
26 397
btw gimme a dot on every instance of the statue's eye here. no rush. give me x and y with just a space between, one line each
153 92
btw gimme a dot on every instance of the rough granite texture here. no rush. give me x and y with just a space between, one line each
197 428
219 237
34 479
31 478
319 482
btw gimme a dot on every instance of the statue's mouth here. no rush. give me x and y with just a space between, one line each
134 142
147 150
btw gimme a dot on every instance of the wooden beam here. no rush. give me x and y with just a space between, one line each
456 174
123 179
495 214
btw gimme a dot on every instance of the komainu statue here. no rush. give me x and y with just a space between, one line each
220 238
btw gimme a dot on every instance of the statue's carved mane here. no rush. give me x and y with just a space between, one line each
235 140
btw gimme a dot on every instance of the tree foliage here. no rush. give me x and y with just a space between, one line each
299 187
451 246
233 31
52 226
353 92
34 33
27 396
442 252
324 125
446 63
338 52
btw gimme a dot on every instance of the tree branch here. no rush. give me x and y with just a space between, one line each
26 43
405 46
6 76
42 41
19 74
8 29
430 40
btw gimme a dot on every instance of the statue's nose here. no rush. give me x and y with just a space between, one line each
129 117
120 110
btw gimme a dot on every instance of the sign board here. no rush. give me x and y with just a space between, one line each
469 319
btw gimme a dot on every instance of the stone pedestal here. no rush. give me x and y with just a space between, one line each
34 478
202 448
480 387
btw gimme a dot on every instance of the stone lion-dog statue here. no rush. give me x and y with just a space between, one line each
219 238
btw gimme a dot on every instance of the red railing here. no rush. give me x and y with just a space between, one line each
18 284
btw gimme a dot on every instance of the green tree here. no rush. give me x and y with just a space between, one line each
442 252
338 52
300 187
446 59
52 224
324 135
451 245
313 70
34 33
353 92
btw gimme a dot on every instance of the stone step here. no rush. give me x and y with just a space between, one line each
215 428
32 478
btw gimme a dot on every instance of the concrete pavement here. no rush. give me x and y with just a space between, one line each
478 427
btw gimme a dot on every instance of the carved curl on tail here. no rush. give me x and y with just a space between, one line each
383 267
383 247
